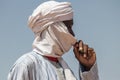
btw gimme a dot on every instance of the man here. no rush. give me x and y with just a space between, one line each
52 23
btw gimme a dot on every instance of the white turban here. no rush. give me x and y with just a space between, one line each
52 36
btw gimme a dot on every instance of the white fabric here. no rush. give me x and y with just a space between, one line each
92 74
33 66
52 36
48 13
59 70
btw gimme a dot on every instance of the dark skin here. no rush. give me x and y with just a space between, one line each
87 57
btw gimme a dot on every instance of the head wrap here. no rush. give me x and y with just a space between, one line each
52 36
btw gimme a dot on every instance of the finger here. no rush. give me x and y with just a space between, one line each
90 49
85 51
92 59
84 55
81 43
90 52
81 48
76 45
75 50
83 60
92 56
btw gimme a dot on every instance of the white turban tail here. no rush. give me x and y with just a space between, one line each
52 37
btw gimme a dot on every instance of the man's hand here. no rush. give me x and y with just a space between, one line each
84 54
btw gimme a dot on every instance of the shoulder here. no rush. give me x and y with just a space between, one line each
28 59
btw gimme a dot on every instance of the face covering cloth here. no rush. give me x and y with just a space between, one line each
52 37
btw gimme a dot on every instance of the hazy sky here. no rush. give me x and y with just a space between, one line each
96 22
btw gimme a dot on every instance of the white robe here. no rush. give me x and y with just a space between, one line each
33 66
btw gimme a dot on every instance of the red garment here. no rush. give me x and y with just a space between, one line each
52 58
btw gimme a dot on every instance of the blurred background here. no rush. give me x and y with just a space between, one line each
96 22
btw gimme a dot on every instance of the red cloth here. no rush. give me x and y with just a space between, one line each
52 58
